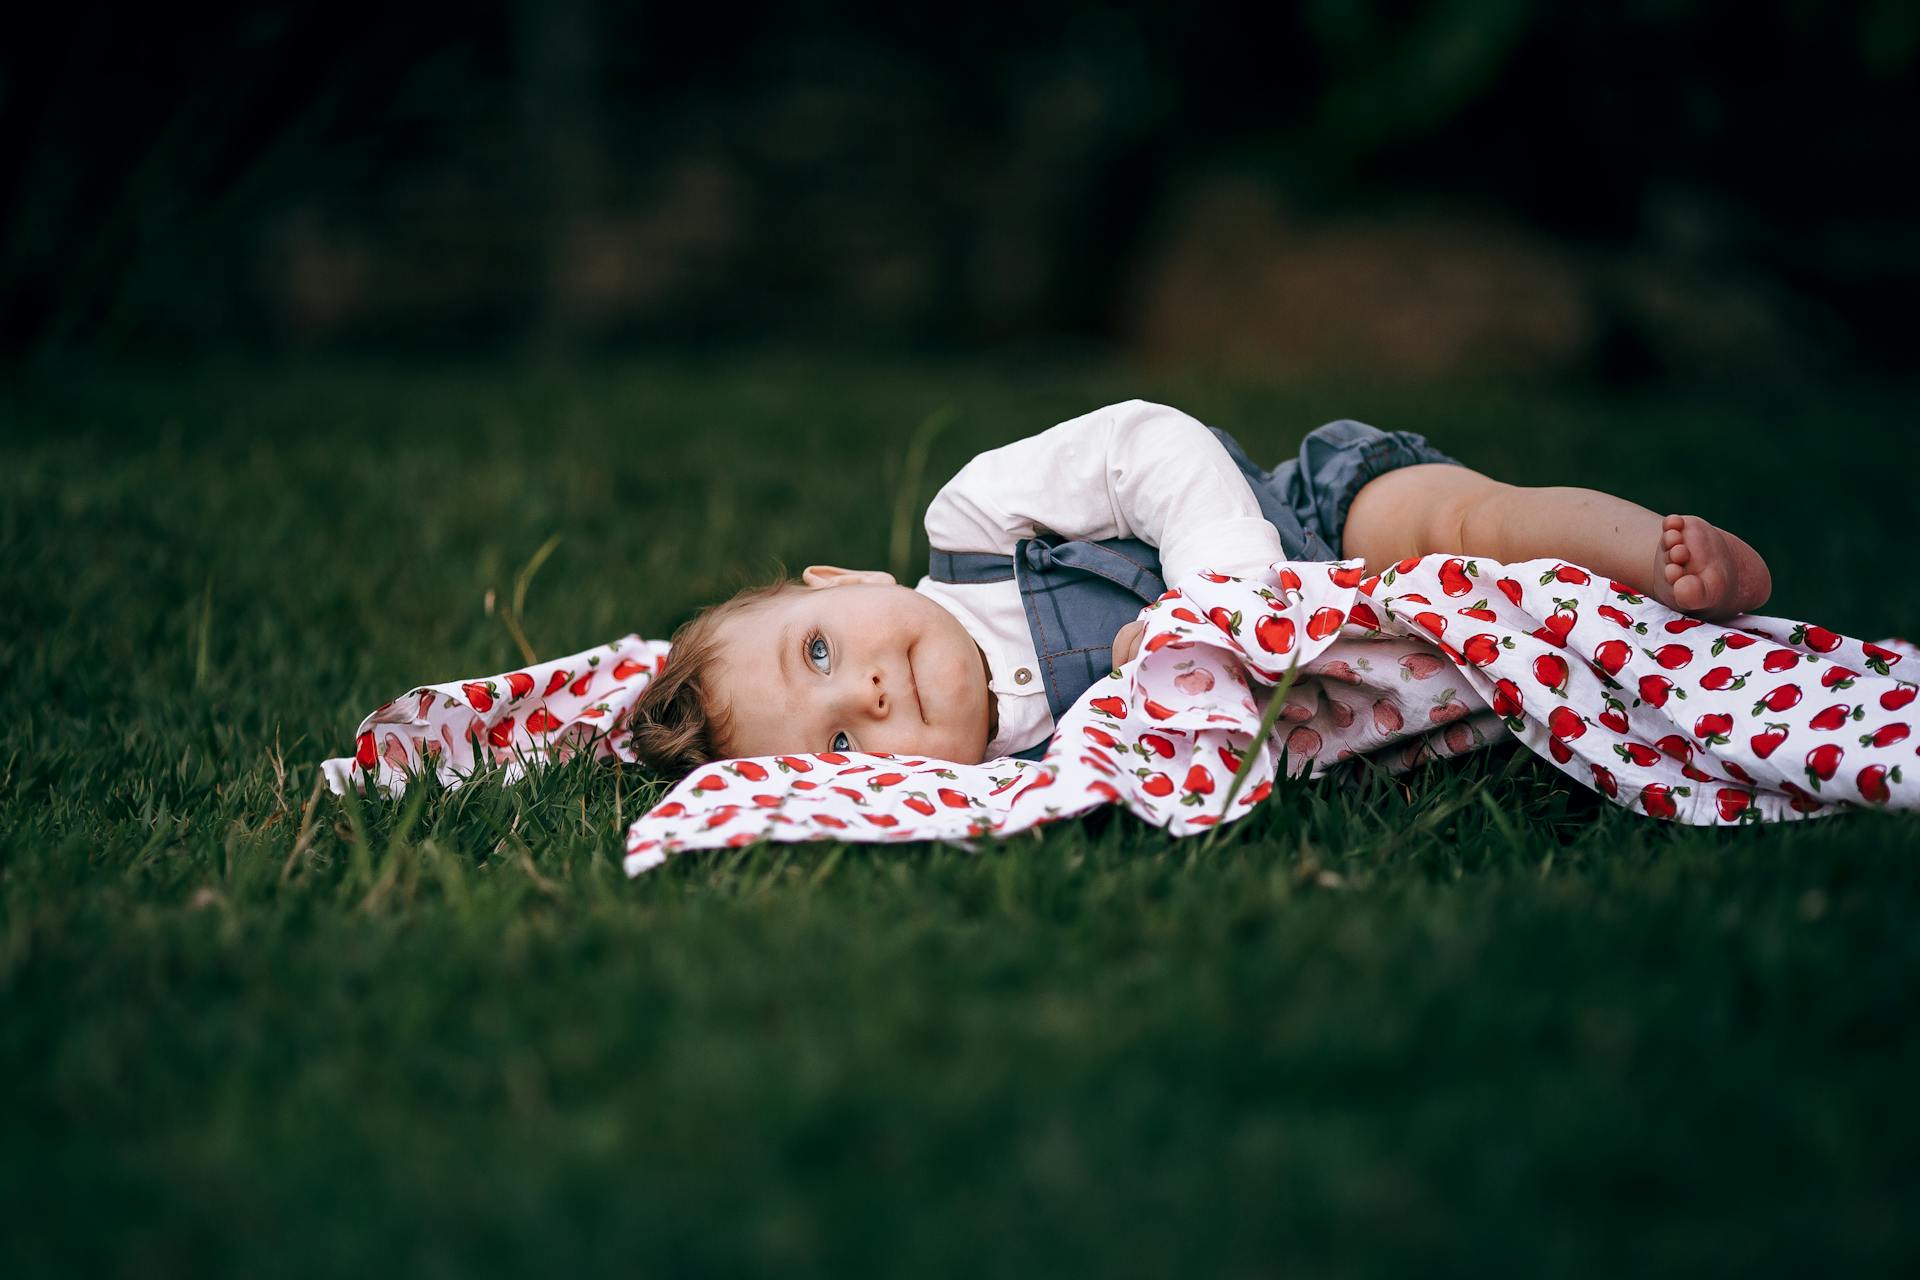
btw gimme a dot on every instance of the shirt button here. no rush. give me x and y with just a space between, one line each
1022 676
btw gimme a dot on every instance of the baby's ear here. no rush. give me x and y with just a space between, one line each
828 575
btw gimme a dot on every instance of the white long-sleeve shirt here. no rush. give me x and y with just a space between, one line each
1131 470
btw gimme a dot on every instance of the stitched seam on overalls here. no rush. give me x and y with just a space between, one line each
1131 563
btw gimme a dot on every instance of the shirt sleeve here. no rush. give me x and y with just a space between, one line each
1132 470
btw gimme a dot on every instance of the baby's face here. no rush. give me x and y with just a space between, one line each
851 662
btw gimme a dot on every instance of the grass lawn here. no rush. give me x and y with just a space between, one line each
1478 1023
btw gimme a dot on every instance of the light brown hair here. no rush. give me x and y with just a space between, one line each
679 724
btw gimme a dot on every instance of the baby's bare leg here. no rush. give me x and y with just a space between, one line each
1682 561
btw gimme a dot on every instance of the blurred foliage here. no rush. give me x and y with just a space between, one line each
580 171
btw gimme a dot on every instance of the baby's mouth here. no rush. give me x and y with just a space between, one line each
914 684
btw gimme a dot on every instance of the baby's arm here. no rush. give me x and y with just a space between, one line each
1132 470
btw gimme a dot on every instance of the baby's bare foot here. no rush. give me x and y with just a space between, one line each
1706 571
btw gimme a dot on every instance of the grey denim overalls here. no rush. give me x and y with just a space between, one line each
1079 594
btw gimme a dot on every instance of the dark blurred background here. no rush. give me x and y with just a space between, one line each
1429 188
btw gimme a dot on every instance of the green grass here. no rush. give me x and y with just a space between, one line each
1475 1023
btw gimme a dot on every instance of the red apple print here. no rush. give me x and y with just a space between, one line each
579 687
1509 588
1565 722
1780 660
1872 782
1670 656
1619 617
1420 666
1157 712
1448 709
1657 801
1735 640
1507 701
1898 696
1231 759
1624 591
882 780
1199 781
501 734
1550 669
1386 716
1603 779
1676 746
1818 639
1227 622
1114 707
1801 799
1187 615
1734 803
919 804
479 695
1195 682
881 819
1886 735
1637 752
1766 741
711 782
828 820
721 816
1155 784
1100 763
627 668
1555 630
954 799
1822 761
1677 626
1104 790
541 720
1722 678
1100 736
556 682
750 770
1362 615
1157 744
1481 650
1735 772
1341 712
1350 575
1453 578
1837 677
519 685
672 809
794 764
1479 612
1833 717
1654 690
1559 750
1275 635
765 801
1615 716
1289 580
1211 576
1880 658
364 753
830 757
1714 728
1779 699
1460 737
1325 622
1161 641
1611 655
1256 795
1303 742
1432 622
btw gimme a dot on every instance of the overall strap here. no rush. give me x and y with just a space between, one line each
968 566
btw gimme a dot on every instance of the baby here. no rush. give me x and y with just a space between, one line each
1044 551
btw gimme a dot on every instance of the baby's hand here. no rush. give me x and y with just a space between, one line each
1127 643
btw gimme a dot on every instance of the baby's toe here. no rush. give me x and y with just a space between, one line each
1673 571
1679 553
1690 592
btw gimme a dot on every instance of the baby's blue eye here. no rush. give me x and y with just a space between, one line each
817 652
841 742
